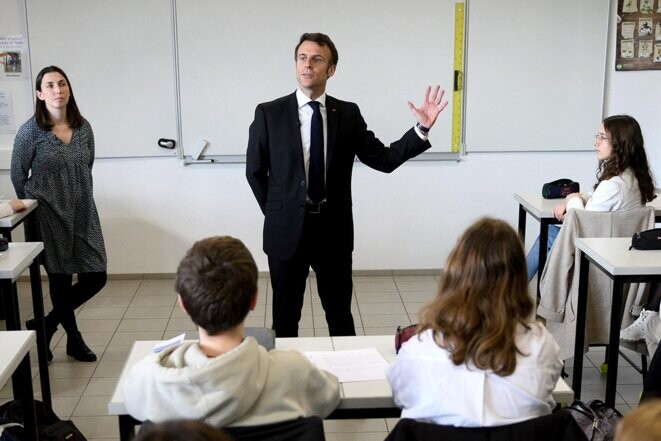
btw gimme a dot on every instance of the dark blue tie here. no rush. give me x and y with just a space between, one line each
316 190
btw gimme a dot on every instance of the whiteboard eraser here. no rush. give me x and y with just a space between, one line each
200 146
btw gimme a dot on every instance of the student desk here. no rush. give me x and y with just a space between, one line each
13 262
7 224
15 363
612 256
542 210
365 399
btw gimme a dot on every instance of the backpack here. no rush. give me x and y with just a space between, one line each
596 419
49 426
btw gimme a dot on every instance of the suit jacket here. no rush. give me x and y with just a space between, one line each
276 173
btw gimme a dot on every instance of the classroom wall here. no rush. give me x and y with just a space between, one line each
153 209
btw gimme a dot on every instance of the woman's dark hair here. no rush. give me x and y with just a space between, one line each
41 114
628 152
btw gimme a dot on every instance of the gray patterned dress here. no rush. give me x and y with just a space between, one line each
59 176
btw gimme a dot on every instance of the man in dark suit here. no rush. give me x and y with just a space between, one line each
300 157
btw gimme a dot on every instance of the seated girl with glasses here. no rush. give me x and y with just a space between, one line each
624 180
479 357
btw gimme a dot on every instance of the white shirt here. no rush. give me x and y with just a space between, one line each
305 121
618 193
429 387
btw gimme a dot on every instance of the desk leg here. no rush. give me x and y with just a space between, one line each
581 311
22 380
522 224
127 427
614 341
42 348
10 304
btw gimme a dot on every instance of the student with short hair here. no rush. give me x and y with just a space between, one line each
225 379
479 357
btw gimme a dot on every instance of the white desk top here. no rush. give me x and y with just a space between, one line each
358 395
536 205
17 258
614 256
16 218
542 208
13 347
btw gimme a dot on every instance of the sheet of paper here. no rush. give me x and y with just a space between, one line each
349 366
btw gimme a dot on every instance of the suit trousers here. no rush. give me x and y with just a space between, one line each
334 284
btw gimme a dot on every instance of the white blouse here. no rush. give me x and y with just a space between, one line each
618 193
429 387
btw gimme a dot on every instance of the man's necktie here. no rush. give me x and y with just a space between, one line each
316 187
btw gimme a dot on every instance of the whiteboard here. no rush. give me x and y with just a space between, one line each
119 58
535 74
235 55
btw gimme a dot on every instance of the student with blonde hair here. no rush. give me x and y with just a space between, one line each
479 357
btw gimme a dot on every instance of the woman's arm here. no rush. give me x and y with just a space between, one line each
21 161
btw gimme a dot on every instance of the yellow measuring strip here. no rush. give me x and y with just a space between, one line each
458 89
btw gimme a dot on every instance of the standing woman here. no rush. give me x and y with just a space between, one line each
52 163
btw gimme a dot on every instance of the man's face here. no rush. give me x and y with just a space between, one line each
313 68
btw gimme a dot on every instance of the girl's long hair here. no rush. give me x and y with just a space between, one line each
628 152
482 298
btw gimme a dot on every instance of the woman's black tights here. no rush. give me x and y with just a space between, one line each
66 297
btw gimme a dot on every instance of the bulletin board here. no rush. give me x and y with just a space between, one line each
638 35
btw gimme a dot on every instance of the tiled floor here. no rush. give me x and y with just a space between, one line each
129 310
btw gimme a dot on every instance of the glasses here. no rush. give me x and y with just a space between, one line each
599 138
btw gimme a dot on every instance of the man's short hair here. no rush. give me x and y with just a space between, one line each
217 280
321 40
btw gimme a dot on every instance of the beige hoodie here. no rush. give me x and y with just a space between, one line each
246 386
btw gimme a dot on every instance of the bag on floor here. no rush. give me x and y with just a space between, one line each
595 419
49 426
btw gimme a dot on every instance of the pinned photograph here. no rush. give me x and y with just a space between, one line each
657 53
630 6
626 49
644 48
11 62
644 27
657 33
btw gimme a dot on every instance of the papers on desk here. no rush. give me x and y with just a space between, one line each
350 366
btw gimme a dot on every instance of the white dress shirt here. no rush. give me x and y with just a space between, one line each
429 387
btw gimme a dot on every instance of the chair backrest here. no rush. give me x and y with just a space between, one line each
301 429
559 282
558 426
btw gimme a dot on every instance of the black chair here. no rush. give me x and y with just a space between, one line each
301 429
559 426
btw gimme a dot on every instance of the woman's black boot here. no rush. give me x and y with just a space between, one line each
77 348
51 329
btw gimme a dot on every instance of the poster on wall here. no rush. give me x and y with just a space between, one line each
638 35
13 57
